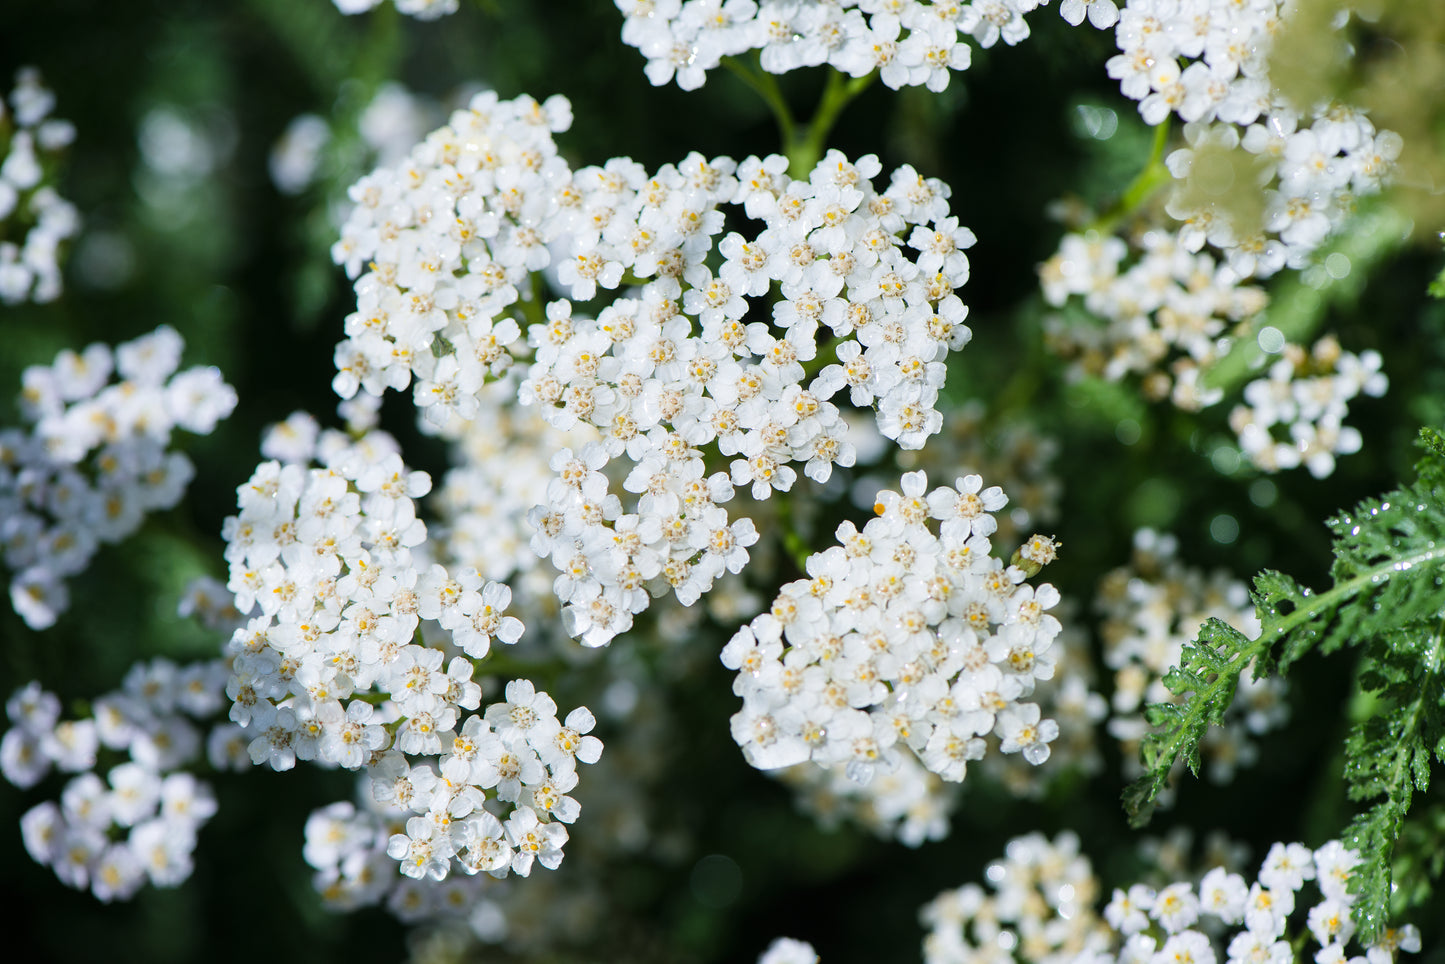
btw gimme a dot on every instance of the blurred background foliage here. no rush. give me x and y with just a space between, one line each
178 103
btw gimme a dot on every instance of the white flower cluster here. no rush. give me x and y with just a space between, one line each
904 639
420 9
34 219
1150 609
1311 160
909 42
1173 312
1043 913
1014 454
347 846
139 823
627 815
1303 168
94 459
788 950
452 235
912 805
500 464
660 383
344 664
1166 314
447 239
1307 393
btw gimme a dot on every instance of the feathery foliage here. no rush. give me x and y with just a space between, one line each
1388 601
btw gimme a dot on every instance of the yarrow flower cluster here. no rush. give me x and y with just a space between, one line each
912 805
344 664
909 637
1307 394
1167 312
1014 454
1042 912
788 950
34 220
447 238
628 814
1207 62
94 460
909 43
1150 609
1171 312
420 9
139 822
675 366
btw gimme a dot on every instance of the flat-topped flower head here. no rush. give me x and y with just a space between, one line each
1046 889
921 647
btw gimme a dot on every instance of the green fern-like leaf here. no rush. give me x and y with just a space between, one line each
1388 600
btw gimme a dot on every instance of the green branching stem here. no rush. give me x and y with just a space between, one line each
793 543
806 149
1207 703
765 85
1153 174
803 145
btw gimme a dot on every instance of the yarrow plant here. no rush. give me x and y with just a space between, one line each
1173 307
639 404
658 381
135 822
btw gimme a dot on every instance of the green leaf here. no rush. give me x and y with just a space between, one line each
1387 600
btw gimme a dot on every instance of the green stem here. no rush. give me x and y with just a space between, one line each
1189 727
766 87
1143 185
793 543
803 145
806 149
534 308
